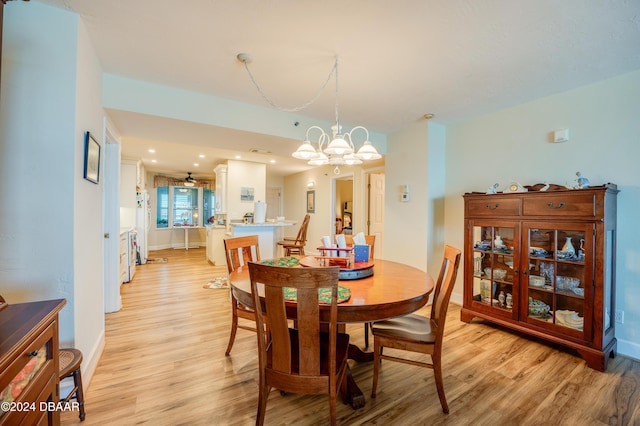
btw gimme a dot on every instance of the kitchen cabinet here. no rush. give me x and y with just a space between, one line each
215 245
29 362
128 183
124 257
543 263
221 188
141 180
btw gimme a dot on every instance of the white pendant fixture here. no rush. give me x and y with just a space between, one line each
337 149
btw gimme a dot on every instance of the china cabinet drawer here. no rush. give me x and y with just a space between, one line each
574 205
495 206
37 347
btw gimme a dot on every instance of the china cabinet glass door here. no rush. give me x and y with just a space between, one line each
495 266
559 273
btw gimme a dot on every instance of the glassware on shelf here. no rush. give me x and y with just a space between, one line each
568 247
477 264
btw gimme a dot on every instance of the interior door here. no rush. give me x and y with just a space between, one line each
111 222
376 212
273 203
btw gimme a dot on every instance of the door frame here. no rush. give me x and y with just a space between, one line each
346 176
379 248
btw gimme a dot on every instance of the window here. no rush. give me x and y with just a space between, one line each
180 206
162 208
185 206
208 205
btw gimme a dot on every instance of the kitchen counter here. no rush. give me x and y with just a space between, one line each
266 224
268 235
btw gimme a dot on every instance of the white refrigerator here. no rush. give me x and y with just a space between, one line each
143 224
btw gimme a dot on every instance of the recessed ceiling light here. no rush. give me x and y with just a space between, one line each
238 157
272 161
151 150
201 155
195 164
154 161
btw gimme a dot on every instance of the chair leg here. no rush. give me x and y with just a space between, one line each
437 371
77 382
366 334
377 350
263 395
234 325
332 408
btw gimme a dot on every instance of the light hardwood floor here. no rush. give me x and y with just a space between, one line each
164 364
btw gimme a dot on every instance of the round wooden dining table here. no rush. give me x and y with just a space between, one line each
393 290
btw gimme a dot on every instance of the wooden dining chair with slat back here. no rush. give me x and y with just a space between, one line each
371 242
296 246
234 248
308 359
417 333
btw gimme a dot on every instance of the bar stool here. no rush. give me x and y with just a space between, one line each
70 360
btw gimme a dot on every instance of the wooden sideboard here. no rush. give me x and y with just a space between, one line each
29 362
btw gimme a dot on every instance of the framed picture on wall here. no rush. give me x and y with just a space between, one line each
246 194
91 158
311 201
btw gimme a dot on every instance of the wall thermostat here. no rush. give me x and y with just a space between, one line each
560 136
405 194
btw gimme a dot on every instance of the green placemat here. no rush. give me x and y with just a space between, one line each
324 294
283 261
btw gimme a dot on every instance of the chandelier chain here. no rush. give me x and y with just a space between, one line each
306 104
335 67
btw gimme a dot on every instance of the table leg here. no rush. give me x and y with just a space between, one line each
354 396
357 354
186 238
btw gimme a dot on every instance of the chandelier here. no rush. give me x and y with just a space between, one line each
336 150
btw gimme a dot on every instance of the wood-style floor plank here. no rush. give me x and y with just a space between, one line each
164 364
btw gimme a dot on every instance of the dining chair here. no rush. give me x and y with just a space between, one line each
308 359
370 239
234 248
371 242
296 245
417 333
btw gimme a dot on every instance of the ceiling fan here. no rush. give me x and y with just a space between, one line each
189 181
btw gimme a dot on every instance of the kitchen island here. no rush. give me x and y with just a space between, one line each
268 235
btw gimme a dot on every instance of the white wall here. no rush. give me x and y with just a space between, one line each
37 157
88 233
405 223
244 174
163 101
51 244
514 145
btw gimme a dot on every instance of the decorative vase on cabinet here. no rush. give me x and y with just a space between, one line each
557 294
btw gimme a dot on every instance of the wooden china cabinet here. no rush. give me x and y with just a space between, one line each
543 263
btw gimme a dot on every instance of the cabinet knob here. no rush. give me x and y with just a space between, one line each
492 206
33 353
550 204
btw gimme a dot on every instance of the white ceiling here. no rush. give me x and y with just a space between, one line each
457 59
